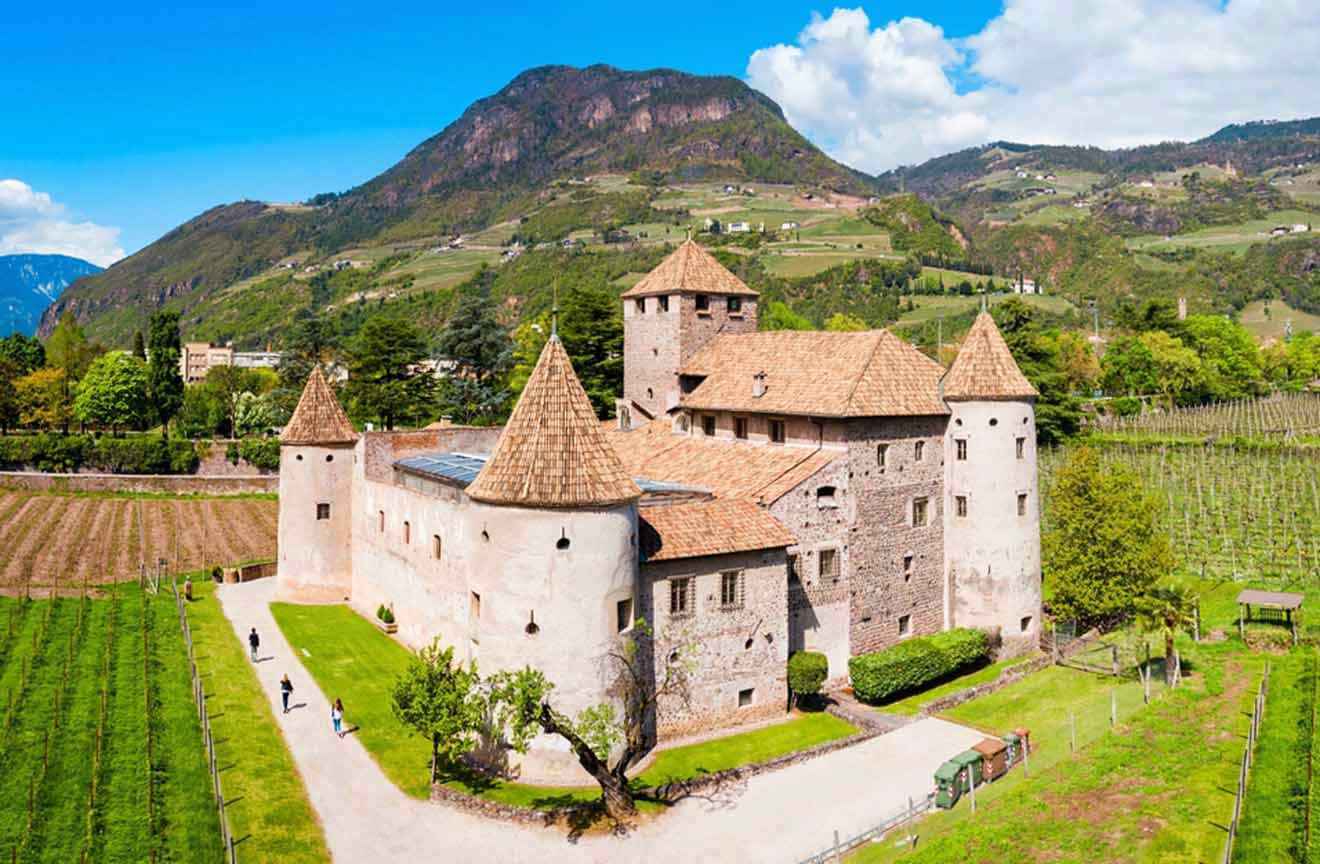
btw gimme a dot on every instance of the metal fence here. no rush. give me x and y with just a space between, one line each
199 696
1257 709
899 818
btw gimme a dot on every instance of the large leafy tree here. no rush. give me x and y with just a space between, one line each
478 354
227 384
591 328
164 380
10 414
1102 550
385 380
43 399
778 316
608 738
1230 358
69 351
25 352
113 392
441 700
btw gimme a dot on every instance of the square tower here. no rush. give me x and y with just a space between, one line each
671 314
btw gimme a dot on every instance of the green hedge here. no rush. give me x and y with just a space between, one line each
915 663
138 454
263 453
807 671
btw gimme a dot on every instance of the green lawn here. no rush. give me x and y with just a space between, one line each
270 804
1234 238
351 659
911 704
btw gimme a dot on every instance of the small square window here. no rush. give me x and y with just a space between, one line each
735 305
829 566
1025 623
960 505
907 567
623 617
664 302
1021 448
882 455
745 697
708 425
435 546
776 431
731 590
640 303
960 449
740 427
918 451
1022 505
322 511
919 512
904 625
703 303
680 596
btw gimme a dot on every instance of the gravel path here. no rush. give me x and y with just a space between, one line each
782 816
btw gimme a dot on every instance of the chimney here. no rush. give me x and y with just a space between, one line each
758 385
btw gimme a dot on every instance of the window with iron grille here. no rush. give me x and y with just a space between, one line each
829 566
960 504
961 448
682 597
731 590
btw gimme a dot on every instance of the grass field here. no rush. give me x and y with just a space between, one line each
269 806
351 659
1234 238
930 307
112 671
1267 320
433 271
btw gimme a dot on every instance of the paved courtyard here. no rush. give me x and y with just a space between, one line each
782 816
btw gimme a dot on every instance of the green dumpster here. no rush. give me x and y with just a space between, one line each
972 761
947 788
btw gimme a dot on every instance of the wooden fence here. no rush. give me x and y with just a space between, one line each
1244 770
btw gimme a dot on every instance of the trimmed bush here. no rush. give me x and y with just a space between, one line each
135 454
915 663
807 671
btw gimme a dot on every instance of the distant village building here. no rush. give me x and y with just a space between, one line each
760 493
790 226
196 359
739 228
1025 286
1299 228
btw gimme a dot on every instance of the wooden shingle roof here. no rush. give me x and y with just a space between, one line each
552 452
319 418
985 368
718 527
871 373
689 270
727 469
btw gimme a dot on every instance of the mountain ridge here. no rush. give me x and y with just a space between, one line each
30 282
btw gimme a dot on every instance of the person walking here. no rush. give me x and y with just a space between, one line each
286 688
253 642
337 717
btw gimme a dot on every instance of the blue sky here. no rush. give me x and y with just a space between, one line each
124 120
141 119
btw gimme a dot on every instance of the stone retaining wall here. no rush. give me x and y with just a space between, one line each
174 484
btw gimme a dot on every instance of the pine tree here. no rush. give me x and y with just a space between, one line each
164 379
480 355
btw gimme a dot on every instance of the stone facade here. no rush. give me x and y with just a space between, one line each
737 651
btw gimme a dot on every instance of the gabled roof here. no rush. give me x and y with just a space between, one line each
689 270
319 418
985 368
718 527
871 373
728 469
552 452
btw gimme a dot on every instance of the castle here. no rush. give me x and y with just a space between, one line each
757 494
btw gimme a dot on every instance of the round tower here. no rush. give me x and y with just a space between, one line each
991 500
554 571
316 492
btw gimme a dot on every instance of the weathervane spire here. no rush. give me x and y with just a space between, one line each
554 312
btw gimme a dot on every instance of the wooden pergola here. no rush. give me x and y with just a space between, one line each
1281 603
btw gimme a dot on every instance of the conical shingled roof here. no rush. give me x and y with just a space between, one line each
319 418
689 269
552 452
985 368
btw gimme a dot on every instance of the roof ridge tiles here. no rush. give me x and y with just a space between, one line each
319 418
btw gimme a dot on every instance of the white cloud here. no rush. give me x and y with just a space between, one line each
1116 73
30 221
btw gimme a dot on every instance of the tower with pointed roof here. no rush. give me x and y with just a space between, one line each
552 517
671 314
992 504
316 497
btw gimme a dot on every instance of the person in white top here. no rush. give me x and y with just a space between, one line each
337 717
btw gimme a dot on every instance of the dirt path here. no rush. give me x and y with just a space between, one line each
783 816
